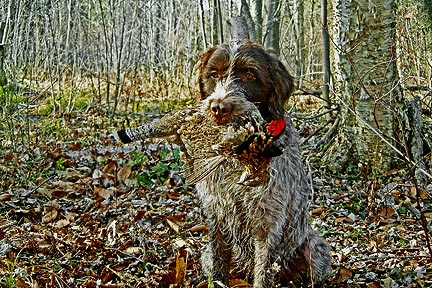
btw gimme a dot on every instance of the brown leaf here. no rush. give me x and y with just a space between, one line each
239 283
422 193
177 217
59 193
198 228
374 285
21 284
173 225
9 157
180 269
318 211
387 212
134 250
110 167
62 223
396 192
343 219
391 172
49 216
124 173
5 196
203 284
174 195
102 192
345 273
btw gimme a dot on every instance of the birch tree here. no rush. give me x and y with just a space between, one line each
367 79
4 29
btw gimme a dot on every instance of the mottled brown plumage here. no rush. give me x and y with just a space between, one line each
211 132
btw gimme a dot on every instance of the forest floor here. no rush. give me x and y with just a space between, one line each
78 210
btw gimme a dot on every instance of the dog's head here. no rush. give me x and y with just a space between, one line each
258 73
227 104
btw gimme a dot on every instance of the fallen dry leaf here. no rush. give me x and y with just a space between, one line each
102 192
318 211
124 173
110 167
173 225
49 216
240 283
345 273
62 223
9 157
5 196
343 219
387 212
198 228
134 250
374 285
180 269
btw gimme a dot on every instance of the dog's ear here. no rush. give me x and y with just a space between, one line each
283 86
199 72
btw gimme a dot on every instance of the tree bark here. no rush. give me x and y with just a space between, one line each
238 28
300 42
272 26
217 23
219 10
414 126
3 79
326 57
246 14
4 32
202 22
367 79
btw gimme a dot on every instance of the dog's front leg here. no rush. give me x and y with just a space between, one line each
220 254
263 270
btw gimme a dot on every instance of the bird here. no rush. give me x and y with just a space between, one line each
223 126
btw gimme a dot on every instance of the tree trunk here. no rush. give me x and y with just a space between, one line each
258 21
246 14
272 26
202 22
4 33
219 10
326 57
300 42
3 79
414 127
238 28
217 23
367 79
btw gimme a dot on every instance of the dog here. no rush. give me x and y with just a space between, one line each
265 230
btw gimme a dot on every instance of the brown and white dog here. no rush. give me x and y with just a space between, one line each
265 229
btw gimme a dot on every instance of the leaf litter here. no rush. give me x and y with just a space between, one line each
93 213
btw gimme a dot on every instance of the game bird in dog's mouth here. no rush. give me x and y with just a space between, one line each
224 125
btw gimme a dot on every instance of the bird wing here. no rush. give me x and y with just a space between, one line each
202 168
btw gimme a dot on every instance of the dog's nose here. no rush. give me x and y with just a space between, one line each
220 108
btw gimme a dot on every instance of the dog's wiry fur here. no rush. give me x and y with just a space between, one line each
265 229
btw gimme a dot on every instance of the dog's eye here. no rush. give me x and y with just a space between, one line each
249 76
214 75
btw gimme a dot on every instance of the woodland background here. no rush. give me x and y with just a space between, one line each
77 210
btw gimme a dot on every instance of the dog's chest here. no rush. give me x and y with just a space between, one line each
233 205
